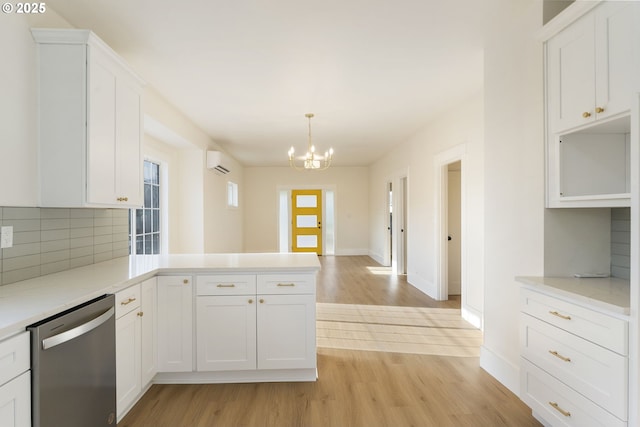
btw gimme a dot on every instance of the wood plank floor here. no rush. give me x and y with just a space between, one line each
355 388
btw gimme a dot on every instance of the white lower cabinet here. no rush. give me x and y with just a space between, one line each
135 343
286 331
128 379
575 367
15 382
268 326
149 331
15 402
226 333
175 324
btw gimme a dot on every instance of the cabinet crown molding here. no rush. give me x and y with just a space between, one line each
82 37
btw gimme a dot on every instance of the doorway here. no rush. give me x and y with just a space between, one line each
395 248
454 229
446 164
443 162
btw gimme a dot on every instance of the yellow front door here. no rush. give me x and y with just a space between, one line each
306 223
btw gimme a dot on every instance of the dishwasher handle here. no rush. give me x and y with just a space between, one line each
55 340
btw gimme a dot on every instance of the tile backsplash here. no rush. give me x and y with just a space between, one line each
49 240
620 242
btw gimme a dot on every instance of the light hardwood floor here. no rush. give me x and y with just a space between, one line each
355 388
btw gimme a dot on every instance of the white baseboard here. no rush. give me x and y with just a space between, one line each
376 257
502 370
351 252
472 317
425 286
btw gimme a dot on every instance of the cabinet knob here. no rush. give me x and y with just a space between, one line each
261 301
185 281
140 314
599 110
586 114
250 301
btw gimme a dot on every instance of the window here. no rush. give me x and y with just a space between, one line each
232 194
144 224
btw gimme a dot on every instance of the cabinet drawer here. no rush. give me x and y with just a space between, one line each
127 300
559 404
287 284
599 374
226 284
15 356
599 328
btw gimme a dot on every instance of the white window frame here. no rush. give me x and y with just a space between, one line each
232 194
159 214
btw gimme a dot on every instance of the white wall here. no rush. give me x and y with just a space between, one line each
204 224
223 225
261 205
462 125
514 178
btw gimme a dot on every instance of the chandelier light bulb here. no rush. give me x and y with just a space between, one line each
310 160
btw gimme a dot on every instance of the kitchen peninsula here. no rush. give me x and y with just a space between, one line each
188 318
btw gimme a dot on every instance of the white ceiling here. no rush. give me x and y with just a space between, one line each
246 71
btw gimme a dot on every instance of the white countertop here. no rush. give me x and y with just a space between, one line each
29 301
610 294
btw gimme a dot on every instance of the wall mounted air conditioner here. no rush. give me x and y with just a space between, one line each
217 161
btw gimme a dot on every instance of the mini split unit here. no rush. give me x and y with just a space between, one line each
217 161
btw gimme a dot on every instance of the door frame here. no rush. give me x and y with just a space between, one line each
402 222
392 251
442 162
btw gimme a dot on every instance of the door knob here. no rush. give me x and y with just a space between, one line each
448 237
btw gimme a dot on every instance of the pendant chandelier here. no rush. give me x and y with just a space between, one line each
311 160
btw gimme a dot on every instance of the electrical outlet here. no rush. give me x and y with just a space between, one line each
6 236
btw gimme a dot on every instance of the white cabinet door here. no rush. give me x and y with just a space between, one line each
128 149
128 385
175 324
148 355
617 43
286 331
226 333
571 76
15 402
101 130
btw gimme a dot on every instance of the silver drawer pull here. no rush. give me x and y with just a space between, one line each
557 407
286 284
232 285
559 356
562 316
129 301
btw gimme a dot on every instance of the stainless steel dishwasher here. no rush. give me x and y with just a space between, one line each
73 367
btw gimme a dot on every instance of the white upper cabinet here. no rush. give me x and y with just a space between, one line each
90 115
591 67
592 75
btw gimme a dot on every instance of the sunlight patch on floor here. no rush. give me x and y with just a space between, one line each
380 271
417 330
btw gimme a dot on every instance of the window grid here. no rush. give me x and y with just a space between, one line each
145 223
